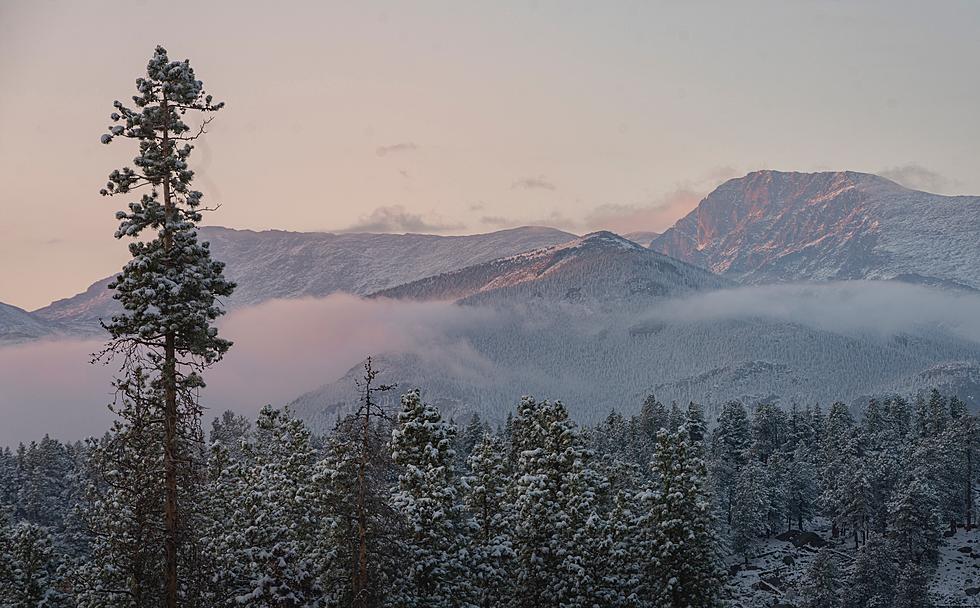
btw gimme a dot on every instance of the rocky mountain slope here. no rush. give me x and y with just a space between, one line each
771 226
279 264
599 267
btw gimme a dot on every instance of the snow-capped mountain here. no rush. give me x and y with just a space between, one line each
18 325
771 226
279 264
599 267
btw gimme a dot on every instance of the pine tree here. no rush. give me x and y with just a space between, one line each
359 549
230 430
170 288
874 576
9 479
750 509
429 499
554 495
123 563
822 585
30 568
491 560
730 442
678 529
263 540
46 491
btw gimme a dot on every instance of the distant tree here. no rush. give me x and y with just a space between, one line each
230 430
169 290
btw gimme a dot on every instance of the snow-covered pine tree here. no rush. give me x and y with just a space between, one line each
730 443
46 491
122 510
837 462
230 430
359 548
170 288
468 438
429 499
769 430
750 507
30 568
491 547
263 543
873 577
554 492
678 530
915 533
802 485
823 584
9 479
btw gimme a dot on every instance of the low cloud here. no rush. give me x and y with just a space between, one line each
850 307
396 218
533 183
283 349
918 177
407 146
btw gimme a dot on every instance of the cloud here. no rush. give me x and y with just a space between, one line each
533 183
396 218
406 146
657 215
283 349
918 177
850 307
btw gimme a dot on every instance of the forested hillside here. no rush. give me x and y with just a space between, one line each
401 507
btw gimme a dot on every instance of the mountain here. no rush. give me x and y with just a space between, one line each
18 325
598 267
641 237
771 226
589 322
280 264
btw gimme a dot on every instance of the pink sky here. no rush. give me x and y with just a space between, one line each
463 117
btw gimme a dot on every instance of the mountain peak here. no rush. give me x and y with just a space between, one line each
785 226
602 239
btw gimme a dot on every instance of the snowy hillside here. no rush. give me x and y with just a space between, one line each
611 360
599 267
280 264
18 325
771 226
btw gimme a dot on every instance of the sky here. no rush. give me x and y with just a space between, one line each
460 117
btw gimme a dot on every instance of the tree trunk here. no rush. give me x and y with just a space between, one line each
969 485
170 403
361 579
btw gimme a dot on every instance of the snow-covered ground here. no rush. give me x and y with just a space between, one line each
772 577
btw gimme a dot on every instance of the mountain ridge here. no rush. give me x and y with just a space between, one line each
600 266
774 226
282 264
